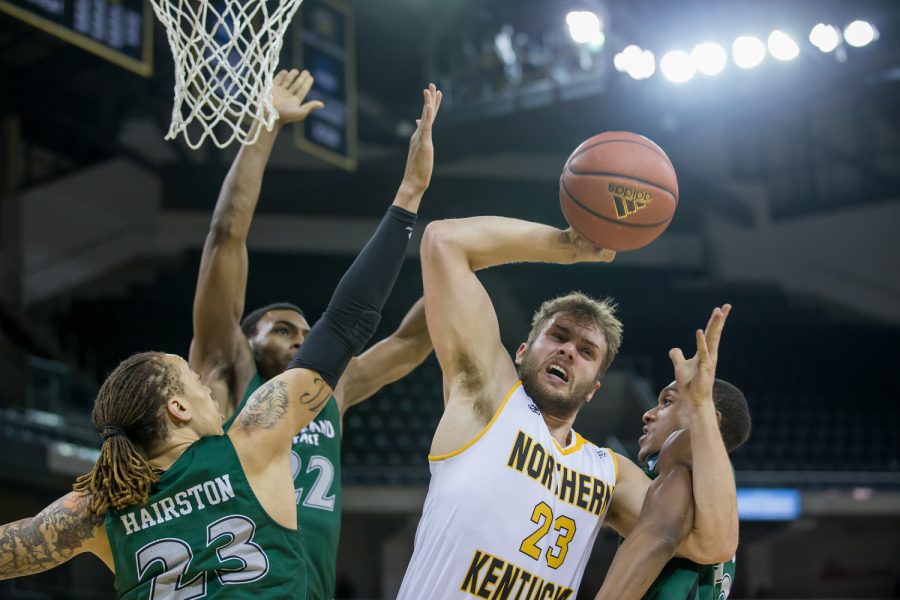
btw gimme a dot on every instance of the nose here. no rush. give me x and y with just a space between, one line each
566 349
650 415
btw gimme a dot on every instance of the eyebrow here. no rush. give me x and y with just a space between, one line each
567 329
285 323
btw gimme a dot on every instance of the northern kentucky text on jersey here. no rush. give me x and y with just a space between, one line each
197 497
491 577
578 489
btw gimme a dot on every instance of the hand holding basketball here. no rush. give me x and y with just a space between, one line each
289 89
618 190
584 251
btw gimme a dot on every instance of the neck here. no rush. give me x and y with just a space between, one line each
165 455
560 428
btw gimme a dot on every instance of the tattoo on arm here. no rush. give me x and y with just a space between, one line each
316 398
51 538
270 403
266 406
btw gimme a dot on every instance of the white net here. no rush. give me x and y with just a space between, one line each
225 53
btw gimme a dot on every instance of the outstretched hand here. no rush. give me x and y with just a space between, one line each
420 161
289 89
584 251
695 376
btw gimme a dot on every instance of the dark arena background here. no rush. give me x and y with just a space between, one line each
789 170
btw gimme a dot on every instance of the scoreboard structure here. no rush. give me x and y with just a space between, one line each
120 31
323 39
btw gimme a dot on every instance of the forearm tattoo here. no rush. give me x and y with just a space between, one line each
51 538
266 406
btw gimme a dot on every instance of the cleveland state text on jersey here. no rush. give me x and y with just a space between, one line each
310 434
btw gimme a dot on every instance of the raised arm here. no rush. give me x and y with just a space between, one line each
389 360
714 537
288 402
219 346
405 349
665 521
61 531
461 318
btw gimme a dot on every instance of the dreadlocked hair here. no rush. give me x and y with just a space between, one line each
129 412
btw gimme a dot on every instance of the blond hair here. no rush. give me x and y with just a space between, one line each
601 313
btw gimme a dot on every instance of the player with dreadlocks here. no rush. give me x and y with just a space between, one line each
177 509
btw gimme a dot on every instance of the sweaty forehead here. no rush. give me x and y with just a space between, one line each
583 327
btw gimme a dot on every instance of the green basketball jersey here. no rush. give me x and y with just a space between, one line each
682 579
316 464
203 534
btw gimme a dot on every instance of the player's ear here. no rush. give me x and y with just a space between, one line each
592 392
178 410
520 353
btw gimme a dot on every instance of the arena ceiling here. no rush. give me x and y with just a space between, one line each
500 132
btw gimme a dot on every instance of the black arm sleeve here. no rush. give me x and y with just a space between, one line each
355 308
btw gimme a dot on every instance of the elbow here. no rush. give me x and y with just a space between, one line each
722 551
224 230
730 547
727 548
438 239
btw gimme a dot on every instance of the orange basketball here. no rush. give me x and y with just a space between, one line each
618 190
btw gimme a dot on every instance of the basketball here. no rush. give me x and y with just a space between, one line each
618 190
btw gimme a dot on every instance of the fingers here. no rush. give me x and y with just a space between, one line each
676 356
280 77
311 106
301 85
713 333
431 102
289 77
702 349
426 102
427 117
607 255
438 96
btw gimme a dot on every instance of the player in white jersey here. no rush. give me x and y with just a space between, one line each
517 496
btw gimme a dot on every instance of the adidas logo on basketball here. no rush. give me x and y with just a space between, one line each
628 200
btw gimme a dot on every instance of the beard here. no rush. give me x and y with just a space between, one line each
559 403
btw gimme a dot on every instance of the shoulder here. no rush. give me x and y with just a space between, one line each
627 470
602 455
675 451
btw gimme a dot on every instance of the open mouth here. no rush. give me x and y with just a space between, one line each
558 372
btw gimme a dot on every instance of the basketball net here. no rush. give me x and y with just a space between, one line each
225 53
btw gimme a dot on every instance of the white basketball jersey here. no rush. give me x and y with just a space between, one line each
511 515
